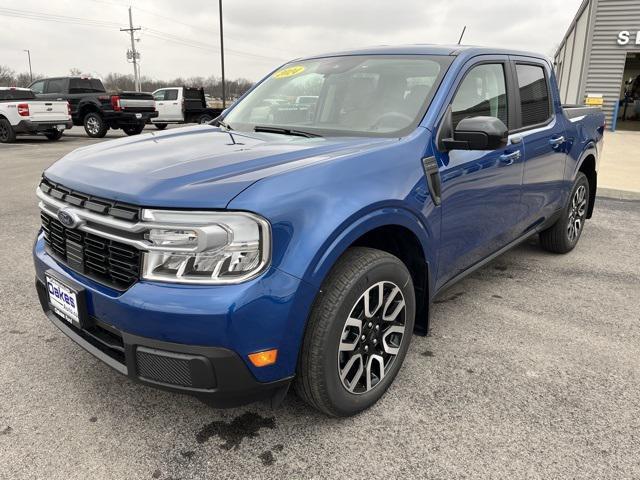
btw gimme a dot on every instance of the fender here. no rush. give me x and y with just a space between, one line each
590 149
88 102
349 231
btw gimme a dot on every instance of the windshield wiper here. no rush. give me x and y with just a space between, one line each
284 131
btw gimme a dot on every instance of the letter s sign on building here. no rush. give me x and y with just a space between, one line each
624 37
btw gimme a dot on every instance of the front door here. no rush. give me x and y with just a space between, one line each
480 189
173 105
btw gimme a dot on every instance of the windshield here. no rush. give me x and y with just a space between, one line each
350 95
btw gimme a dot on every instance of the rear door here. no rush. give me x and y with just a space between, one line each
540 125
55 88
480 189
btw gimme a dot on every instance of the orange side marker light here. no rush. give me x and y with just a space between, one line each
265 358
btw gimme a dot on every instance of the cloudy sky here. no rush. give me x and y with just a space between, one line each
181 38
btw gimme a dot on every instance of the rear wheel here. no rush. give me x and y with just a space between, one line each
7 133
54 135
133 130
94 125
563 236
358 333
160 126
205 118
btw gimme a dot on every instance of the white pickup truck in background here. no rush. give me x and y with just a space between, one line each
182 105
22 114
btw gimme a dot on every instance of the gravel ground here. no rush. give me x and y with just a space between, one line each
531 370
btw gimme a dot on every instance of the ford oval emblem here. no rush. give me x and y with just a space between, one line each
68 218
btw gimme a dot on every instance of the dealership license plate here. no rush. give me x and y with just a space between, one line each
60 127
63 301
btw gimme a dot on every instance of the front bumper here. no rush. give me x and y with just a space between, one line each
29 127
190 339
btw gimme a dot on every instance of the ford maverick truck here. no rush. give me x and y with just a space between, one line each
301 243
22 114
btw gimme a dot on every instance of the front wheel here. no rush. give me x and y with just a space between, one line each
358 333
54 135
160 126
563 236
133 130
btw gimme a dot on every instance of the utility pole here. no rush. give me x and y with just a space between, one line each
30 72
133 54
224 105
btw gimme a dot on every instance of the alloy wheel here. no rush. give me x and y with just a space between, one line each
577 212
4 133
93 126
371 337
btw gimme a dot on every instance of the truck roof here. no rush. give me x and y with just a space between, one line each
429 49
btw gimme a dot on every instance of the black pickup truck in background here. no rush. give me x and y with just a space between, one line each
96 109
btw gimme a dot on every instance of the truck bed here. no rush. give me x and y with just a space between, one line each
576 111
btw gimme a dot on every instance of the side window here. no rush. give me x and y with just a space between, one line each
55 85
483 92
534 94
38 87
159 95
171 94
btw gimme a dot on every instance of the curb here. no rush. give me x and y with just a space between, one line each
617 194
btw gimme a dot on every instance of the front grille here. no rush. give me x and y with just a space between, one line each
111 263
120 210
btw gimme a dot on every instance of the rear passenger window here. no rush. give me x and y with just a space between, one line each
483 93
171 94
534 95
56 85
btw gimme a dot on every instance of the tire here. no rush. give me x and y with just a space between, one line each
328 377
7 133
205 118
54 135
160 126
563 236
133 130
94 125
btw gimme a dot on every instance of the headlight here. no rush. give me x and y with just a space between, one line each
205 247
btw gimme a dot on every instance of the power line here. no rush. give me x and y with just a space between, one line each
10 12
46 17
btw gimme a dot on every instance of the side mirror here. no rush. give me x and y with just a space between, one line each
478 133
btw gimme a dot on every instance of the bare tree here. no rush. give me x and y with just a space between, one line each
7 76
120 82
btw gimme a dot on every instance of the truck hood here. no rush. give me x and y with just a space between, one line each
193 167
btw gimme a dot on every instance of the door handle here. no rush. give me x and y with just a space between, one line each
555 141
509 158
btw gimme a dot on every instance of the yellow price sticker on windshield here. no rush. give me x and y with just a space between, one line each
289 72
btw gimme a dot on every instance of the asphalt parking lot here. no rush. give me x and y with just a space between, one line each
531 370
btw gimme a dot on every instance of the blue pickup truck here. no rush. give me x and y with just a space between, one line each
301 238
